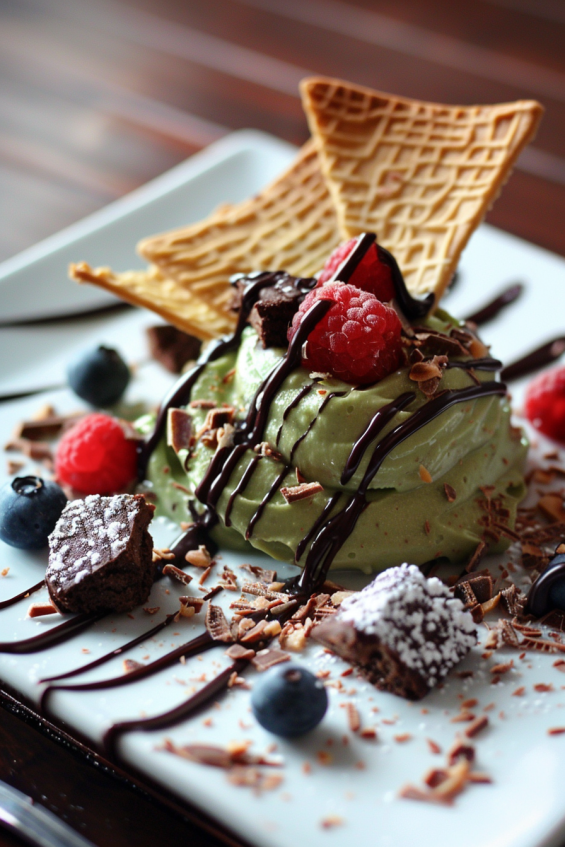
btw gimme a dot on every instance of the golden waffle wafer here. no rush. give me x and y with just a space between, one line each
290 225
152 290
420 175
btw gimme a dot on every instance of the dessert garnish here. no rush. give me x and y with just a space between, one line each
404 632
100 555
371 274
289 700
278 298
421 175
358 340
29 509
100 376
336 188
172 347
98 455
545 403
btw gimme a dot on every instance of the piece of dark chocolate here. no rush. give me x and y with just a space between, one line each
276 304
404 632
100 555
172 347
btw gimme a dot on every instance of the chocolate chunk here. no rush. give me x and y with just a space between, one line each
100 555
172 347
277 303
179 430
403 632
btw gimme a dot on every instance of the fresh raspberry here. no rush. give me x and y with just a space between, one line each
545 403
371 274
359 338
95 457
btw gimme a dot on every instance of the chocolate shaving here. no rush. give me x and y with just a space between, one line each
39 451
477 556
265 449
49 426
179 430
554 620
177 573
238 651
508 633
194 603
265 659
461 750
300 492
513 600
217 625
261 574
172 347
257 633
37 610
450 492
130 665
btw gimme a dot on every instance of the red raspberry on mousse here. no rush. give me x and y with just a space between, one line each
545 403
96 457
371 274
358 340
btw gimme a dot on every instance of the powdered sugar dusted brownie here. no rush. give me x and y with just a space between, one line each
403 631
100 554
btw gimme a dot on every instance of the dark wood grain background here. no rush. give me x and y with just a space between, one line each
99 96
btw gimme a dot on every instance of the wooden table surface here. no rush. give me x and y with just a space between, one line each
99 96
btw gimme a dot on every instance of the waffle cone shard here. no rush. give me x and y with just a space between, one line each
420 175
149 288
290 225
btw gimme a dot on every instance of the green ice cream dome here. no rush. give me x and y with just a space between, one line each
453 482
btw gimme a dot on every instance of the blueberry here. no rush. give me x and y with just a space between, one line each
556 598
29 509
100 376
288 700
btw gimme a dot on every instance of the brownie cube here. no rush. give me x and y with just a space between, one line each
403 632
101 555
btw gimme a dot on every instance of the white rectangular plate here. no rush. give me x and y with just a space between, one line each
359 781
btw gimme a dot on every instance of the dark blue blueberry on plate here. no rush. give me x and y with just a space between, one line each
289 701
548 591
100 376
29 509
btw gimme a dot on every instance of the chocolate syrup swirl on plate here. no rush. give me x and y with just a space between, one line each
17 597
542 356
494 307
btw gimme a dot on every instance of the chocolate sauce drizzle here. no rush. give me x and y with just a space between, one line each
174 716
486 363
101 660
292 405
17 597
312 423
266 499
548 353
55 635
191 648
250 432
494 307
410 306
338 528
179 395
240 487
